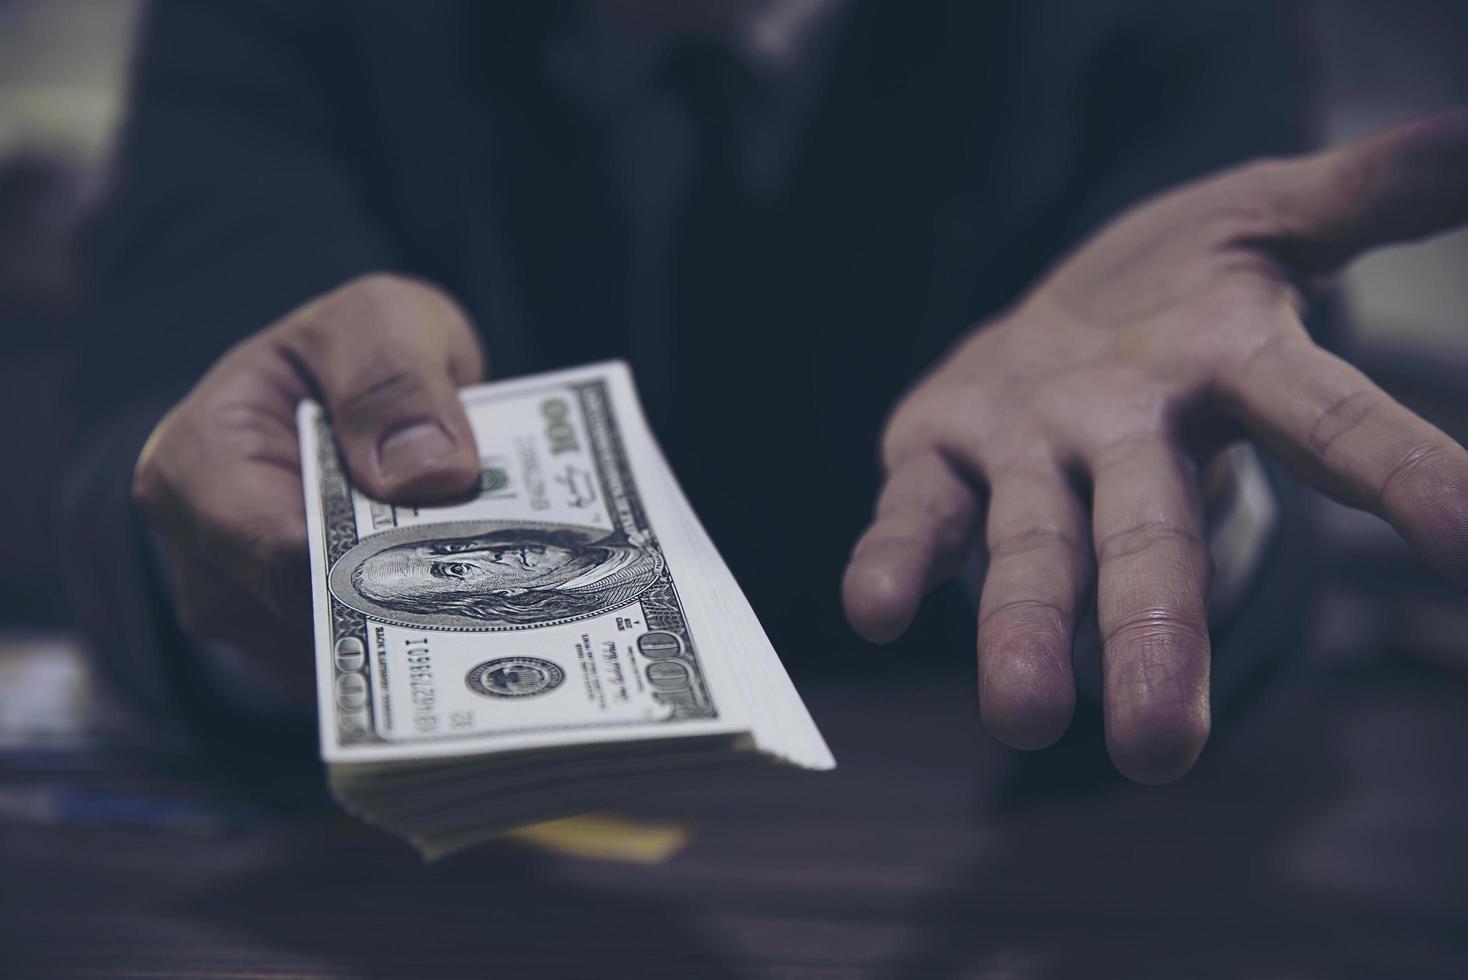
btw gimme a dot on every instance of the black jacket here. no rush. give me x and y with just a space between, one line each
276 148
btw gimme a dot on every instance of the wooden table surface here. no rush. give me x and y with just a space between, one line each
1324 834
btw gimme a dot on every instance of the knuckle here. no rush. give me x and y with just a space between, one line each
1249 351
1249 308
417 309
951 517
357 305
1055 396
951 416
1026 617
1336 419
1147 536
376 396
1137 434
368 292
1254 204
1039 629
905 431
1155 640
453 319
922 529
1261 202
369 371
938 510
305 341
1036 538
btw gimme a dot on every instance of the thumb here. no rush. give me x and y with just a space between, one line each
1395 186
387 356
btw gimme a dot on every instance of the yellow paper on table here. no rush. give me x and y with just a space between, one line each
606 837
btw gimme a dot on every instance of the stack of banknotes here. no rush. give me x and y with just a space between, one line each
565 639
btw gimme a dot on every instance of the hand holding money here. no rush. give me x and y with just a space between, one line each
564 638
532 559
220 477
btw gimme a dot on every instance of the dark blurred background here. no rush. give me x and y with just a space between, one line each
1370 603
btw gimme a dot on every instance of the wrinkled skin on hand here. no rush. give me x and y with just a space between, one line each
220 477
1176 326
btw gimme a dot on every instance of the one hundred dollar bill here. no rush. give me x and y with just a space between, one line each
568 625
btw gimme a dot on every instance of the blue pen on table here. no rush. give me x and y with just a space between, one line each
75 805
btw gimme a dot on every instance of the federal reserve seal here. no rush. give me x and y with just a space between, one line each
514 677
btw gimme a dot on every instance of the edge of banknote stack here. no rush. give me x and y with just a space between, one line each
612 695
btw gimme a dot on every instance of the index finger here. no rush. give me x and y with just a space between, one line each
1345 435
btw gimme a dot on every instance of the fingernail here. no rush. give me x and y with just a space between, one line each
410 450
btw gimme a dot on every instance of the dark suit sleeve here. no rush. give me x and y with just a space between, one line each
240 189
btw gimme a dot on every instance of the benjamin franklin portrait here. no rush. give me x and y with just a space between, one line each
489 575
